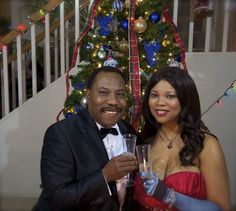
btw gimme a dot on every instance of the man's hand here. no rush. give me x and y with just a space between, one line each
119 166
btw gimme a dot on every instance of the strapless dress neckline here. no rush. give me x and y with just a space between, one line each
185 182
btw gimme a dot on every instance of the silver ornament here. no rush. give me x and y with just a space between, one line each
101 53
174 63
83 102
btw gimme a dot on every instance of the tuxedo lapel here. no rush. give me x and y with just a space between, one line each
91 133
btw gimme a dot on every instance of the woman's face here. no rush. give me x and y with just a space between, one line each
164 104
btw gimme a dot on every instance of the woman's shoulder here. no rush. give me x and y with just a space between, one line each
211 147
210 139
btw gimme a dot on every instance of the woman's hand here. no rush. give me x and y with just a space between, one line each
149 181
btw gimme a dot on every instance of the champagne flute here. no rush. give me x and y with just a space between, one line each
129 143
143 154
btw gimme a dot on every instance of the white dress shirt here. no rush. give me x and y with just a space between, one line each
113 143
114 147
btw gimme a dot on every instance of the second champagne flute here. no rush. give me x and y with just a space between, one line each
129 143
143 154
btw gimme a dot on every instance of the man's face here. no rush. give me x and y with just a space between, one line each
107 98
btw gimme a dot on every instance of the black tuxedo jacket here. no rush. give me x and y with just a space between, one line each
72 157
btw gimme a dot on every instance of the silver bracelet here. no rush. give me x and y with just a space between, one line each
170 197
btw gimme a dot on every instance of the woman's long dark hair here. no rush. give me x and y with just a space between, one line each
190 115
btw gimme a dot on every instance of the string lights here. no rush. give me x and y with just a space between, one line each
42 12
22 28
218 101
3 46
29 20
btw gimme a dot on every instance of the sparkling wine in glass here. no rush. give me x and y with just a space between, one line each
129 143
143 154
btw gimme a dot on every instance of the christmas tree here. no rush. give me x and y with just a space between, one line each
137 36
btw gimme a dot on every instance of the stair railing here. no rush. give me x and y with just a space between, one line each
13 64
198 35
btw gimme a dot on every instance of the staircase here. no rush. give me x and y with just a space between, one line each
39 50
33 93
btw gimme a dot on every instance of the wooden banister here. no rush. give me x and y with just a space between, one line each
36 17
13 34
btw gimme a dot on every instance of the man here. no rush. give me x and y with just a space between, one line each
75 168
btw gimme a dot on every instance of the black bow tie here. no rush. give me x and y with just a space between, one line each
105 131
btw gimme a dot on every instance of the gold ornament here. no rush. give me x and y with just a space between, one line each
70 110
164 43
94 55
140 25
147 14
123 45
127 4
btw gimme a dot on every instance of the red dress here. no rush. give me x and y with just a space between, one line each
188 183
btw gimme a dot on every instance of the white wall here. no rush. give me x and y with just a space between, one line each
21 133
213 74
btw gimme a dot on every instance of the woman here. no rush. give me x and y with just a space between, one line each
189 170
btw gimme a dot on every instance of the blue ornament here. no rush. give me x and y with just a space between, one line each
89 46
163 33
117 5
79 85
77 108
68 115
107 48
104 22
151 50
155 17
178 58
124 24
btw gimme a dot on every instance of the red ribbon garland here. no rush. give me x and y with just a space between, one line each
92 14
177 38
134 70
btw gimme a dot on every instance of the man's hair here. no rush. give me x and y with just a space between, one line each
105 69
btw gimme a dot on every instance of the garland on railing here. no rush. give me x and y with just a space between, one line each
26 24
